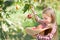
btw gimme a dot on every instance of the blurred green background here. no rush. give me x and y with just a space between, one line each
13 17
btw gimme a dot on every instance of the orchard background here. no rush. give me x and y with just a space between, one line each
15 16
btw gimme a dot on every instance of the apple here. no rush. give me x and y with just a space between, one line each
17 7
29 16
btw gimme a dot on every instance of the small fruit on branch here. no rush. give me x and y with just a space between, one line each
29 16
17 7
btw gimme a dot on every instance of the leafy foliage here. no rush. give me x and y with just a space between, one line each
26 7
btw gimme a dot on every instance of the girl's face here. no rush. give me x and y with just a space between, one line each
47 18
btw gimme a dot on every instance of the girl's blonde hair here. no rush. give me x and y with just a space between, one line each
51 12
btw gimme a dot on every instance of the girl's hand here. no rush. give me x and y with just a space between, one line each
32 8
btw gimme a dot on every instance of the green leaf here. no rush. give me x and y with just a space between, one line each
26 7
8 3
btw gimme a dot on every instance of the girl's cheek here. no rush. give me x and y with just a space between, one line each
49 20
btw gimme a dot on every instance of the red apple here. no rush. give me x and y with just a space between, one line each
29 16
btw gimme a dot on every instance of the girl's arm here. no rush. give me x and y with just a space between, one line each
39 37
36 17
54 29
